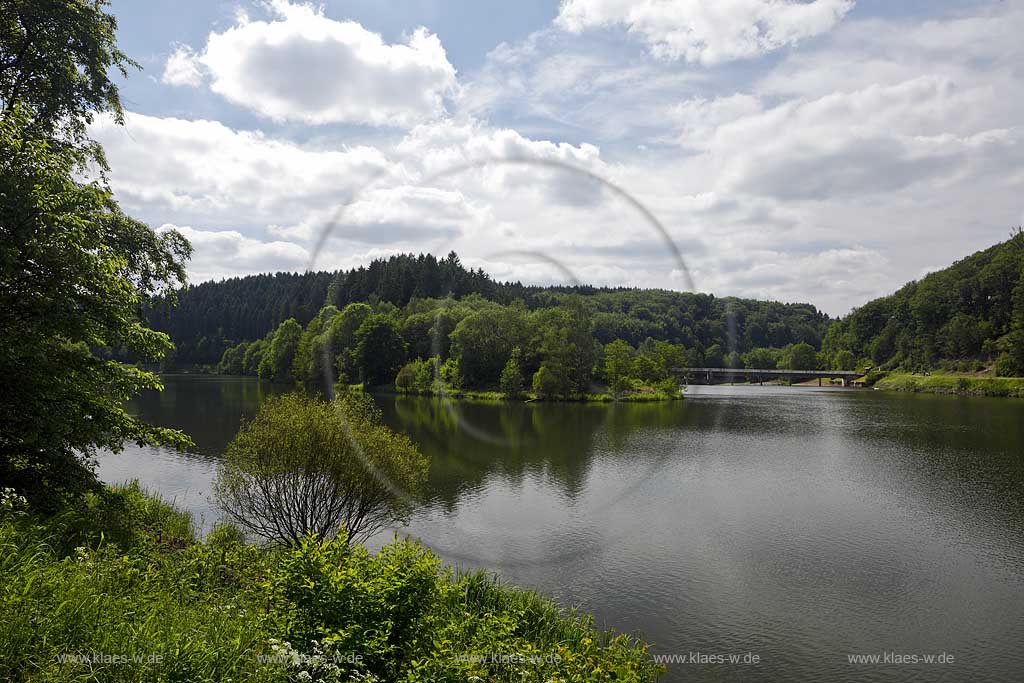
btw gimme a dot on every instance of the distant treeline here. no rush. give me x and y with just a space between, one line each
969 316
479 345
214 316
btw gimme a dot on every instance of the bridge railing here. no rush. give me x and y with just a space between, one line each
848 374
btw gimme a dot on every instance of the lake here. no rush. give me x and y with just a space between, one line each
797 525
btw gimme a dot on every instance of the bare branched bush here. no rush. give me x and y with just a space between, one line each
307 466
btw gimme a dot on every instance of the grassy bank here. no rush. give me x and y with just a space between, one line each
120 589
641 395
967 385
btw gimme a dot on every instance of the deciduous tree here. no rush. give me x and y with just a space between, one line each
305 466
74 272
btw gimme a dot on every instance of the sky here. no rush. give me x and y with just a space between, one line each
822 151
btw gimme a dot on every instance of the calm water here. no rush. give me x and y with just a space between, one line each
799 525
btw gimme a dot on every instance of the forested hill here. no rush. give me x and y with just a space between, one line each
965 317
213 316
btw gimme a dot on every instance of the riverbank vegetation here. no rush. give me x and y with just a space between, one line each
475 347
213 316
304 466
120 588
954 383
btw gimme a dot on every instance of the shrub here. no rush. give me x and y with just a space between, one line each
451 375
306 466
546 383
512 376
1007 365
420 376
406 377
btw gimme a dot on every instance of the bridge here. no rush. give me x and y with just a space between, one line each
760 375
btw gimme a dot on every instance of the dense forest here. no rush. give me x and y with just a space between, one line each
409 318
214 316
966 317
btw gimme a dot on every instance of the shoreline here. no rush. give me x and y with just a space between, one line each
953 385
498 397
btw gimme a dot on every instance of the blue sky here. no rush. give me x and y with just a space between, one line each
823 151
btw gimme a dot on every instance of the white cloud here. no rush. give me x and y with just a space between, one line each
699 118
303 66
228 253
204 171
598 90
395 216
813 176
437 188
876 140
182 68
708 32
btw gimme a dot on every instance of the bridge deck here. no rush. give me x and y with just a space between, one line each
810 374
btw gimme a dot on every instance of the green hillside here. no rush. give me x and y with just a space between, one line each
967 317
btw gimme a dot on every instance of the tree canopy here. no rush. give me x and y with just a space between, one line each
967 316
75 271
214 316
55 60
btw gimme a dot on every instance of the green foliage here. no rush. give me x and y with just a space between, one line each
354 602
199 608
800 356
379 350
405 380
549 382
966 311
937 383
74 271
482 341
451 375
645 367
1011 361
763 359
512 384
564 340
279 356
714 357
413 621
340 339
437 294
618 361
420 377
844 360
561 339
126 516
253 357
56 57
306 466
309 363
233 360
323 610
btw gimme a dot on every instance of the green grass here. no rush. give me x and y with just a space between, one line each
644 395
124 575
941 383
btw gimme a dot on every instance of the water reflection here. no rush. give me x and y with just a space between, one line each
209 408
515 441
799 524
